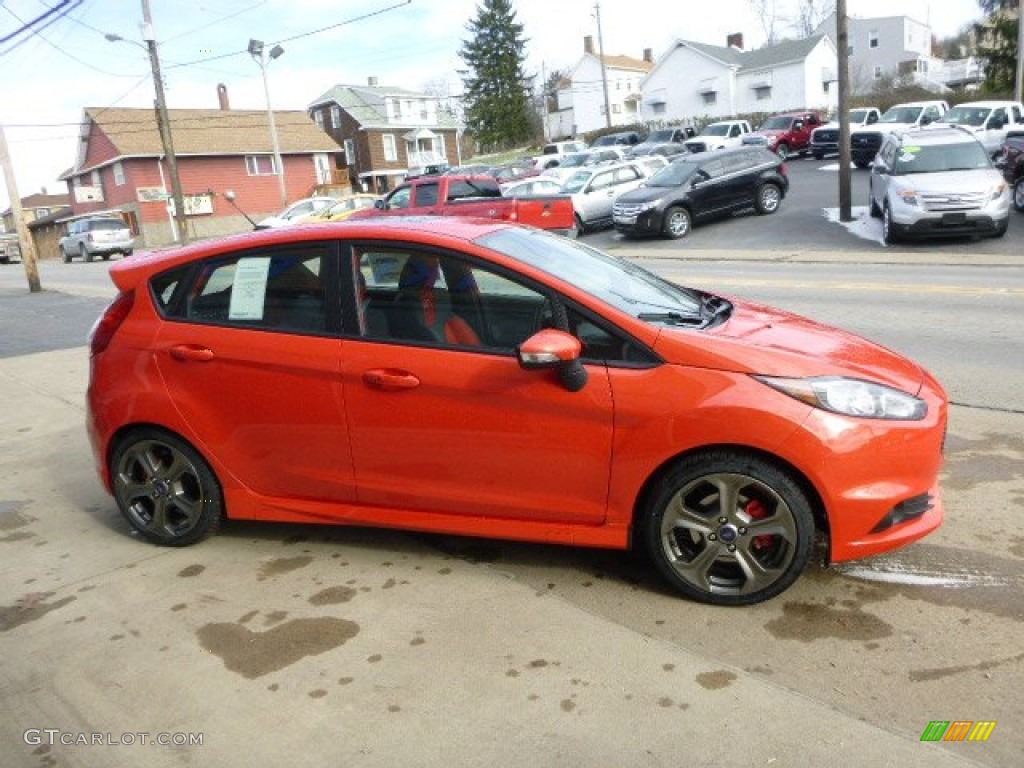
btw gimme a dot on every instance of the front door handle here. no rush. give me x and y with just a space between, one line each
192 352
390 379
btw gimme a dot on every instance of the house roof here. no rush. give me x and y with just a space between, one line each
42 200
786 52
365 105
133 132
628 62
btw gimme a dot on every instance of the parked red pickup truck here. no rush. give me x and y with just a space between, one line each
478 196
786 134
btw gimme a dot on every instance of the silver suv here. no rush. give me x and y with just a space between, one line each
937 182
96 236
595 189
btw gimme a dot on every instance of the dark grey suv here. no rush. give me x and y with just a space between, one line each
702 186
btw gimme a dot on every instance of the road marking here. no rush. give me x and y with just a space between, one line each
842 285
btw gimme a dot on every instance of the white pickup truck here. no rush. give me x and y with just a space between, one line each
553 153
725 133
989 121
825 138
867 140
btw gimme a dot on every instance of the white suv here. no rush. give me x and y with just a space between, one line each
96 236
937 182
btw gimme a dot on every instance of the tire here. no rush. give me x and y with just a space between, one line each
819 155
700 528
862 164
1001 229
106 256
873 210
65 256
1018 194
768 198
164 488
580 229
888 235
86 256
782 151
677 223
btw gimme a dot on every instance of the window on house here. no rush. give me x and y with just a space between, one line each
616 109
396 107
390 152
710 98
350 152
260 165
824 87
97 180
763 93
849 51
873 38
336 116
118 174
659 109
318 118
877 72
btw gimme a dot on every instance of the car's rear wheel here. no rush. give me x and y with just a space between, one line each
768 198
580 229
782 151
728 528
1018 194
677 222
106 256
86 256
164 488
65 256
819 155
888 233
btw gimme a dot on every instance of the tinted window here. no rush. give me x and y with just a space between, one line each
282 290
97 224
426 194
473 188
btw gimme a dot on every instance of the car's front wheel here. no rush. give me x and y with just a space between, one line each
728 528
888 233
677 222
782 151
164 488
769 196
1018 194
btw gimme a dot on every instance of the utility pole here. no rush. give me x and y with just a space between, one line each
164 124
843 73
604 70
28 248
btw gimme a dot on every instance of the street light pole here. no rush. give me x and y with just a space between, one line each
164 124
256 51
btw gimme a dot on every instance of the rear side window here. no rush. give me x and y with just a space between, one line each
282 290
426 194
459 190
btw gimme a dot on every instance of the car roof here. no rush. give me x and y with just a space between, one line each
992 104
936 135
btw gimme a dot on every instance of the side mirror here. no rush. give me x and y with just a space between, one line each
551 348
926 120
798 125
380 203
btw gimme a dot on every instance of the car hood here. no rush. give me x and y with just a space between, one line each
759 339
977 181
643 194
881 128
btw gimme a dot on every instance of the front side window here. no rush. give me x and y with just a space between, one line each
281 290
400 198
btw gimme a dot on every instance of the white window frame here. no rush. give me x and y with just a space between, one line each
873 39
96 179
390 148
763 93
877 72
318 118
119 174
335 116
253 163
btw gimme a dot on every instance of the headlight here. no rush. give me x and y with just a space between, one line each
997 191
908 196
851 397
647 206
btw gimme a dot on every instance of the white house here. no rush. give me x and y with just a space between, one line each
581 103
699 80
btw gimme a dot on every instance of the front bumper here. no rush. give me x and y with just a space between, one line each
647 222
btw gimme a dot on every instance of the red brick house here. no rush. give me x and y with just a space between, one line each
121 168
387 133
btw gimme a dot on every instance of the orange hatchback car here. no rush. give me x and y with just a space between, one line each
494 380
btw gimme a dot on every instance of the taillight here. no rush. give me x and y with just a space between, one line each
106 325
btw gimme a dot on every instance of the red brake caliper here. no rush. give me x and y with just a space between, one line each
757 510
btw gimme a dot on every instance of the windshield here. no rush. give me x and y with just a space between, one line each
574 161
857 116
972 116
716 129
780 123
674 174
901 115
617 282
936 159
657 136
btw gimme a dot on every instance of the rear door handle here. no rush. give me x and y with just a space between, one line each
390 380
192 353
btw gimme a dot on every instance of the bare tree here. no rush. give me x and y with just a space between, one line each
767 12
810 14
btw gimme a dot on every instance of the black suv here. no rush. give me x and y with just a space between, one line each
622 138
702 186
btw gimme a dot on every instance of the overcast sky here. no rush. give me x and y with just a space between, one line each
47 78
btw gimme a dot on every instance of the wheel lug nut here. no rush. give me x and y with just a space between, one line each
743 531
713 537
723 520
732 547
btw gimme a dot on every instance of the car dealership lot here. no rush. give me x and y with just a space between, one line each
388 648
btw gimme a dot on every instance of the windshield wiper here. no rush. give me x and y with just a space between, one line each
714 307
676 318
